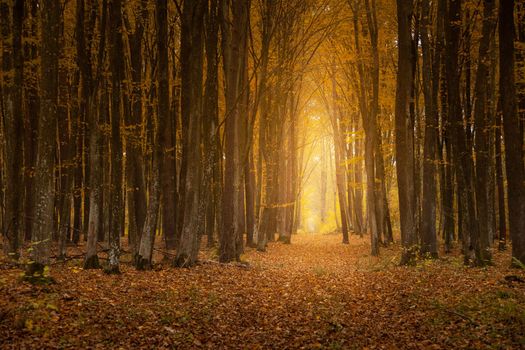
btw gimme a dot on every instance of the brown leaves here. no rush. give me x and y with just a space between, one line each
313 294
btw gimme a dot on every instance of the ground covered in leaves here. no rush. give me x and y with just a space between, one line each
313 294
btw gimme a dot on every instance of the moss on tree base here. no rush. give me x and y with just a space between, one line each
143 263
91 263
36 273
112 270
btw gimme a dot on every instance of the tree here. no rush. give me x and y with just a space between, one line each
11 14
429 201
482 134
44 181
191 109
512 133
88 107
116 198
234 43
404 135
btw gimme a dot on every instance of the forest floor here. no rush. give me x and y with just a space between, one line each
314 294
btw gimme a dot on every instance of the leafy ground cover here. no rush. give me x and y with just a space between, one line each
313 294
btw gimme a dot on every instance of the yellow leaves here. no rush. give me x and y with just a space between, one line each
76 269
52 307
28 324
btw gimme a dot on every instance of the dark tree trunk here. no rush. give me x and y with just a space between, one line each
514 163
136 194
31 119
234 41
404 135
502 217
11 19
116 196
167 122
191 102
429 200
482 135
463 161
44 182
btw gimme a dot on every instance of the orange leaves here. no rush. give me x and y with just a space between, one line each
313 294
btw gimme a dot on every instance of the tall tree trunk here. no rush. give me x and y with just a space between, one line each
44 182
158 124
249 180
482 135
116 195
11 18
169 179
234 36
31 118
368 114
458 135
136 195
511 126
502 217
264 212
191 108
404 135
428 218
210 122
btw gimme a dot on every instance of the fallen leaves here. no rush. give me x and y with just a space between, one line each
313 294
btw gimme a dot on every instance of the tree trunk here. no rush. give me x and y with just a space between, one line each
191 102
44 182
514 163
234 40
11 18
463 161
428 218
482 135
116 196
136 193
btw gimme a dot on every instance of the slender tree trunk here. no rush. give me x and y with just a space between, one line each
116 195
514 163
482 135
44 182
11 18
234 36
191 102
210 122
91 113
31 118
404 135
428 219
136 184
168 179
458 135
502 217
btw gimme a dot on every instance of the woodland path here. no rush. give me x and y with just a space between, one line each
313 294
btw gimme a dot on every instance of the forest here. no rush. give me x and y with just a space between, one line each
262 174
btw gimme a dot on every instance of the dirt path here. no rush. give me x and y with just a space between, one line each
315 293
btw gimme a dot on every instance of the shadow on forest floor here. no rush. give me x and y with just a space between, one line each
313 294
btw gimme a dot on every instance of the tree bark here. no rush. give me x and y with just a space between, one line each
191 102
482 135
11 18
116 196
44 182
429 200
404 135
514 163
